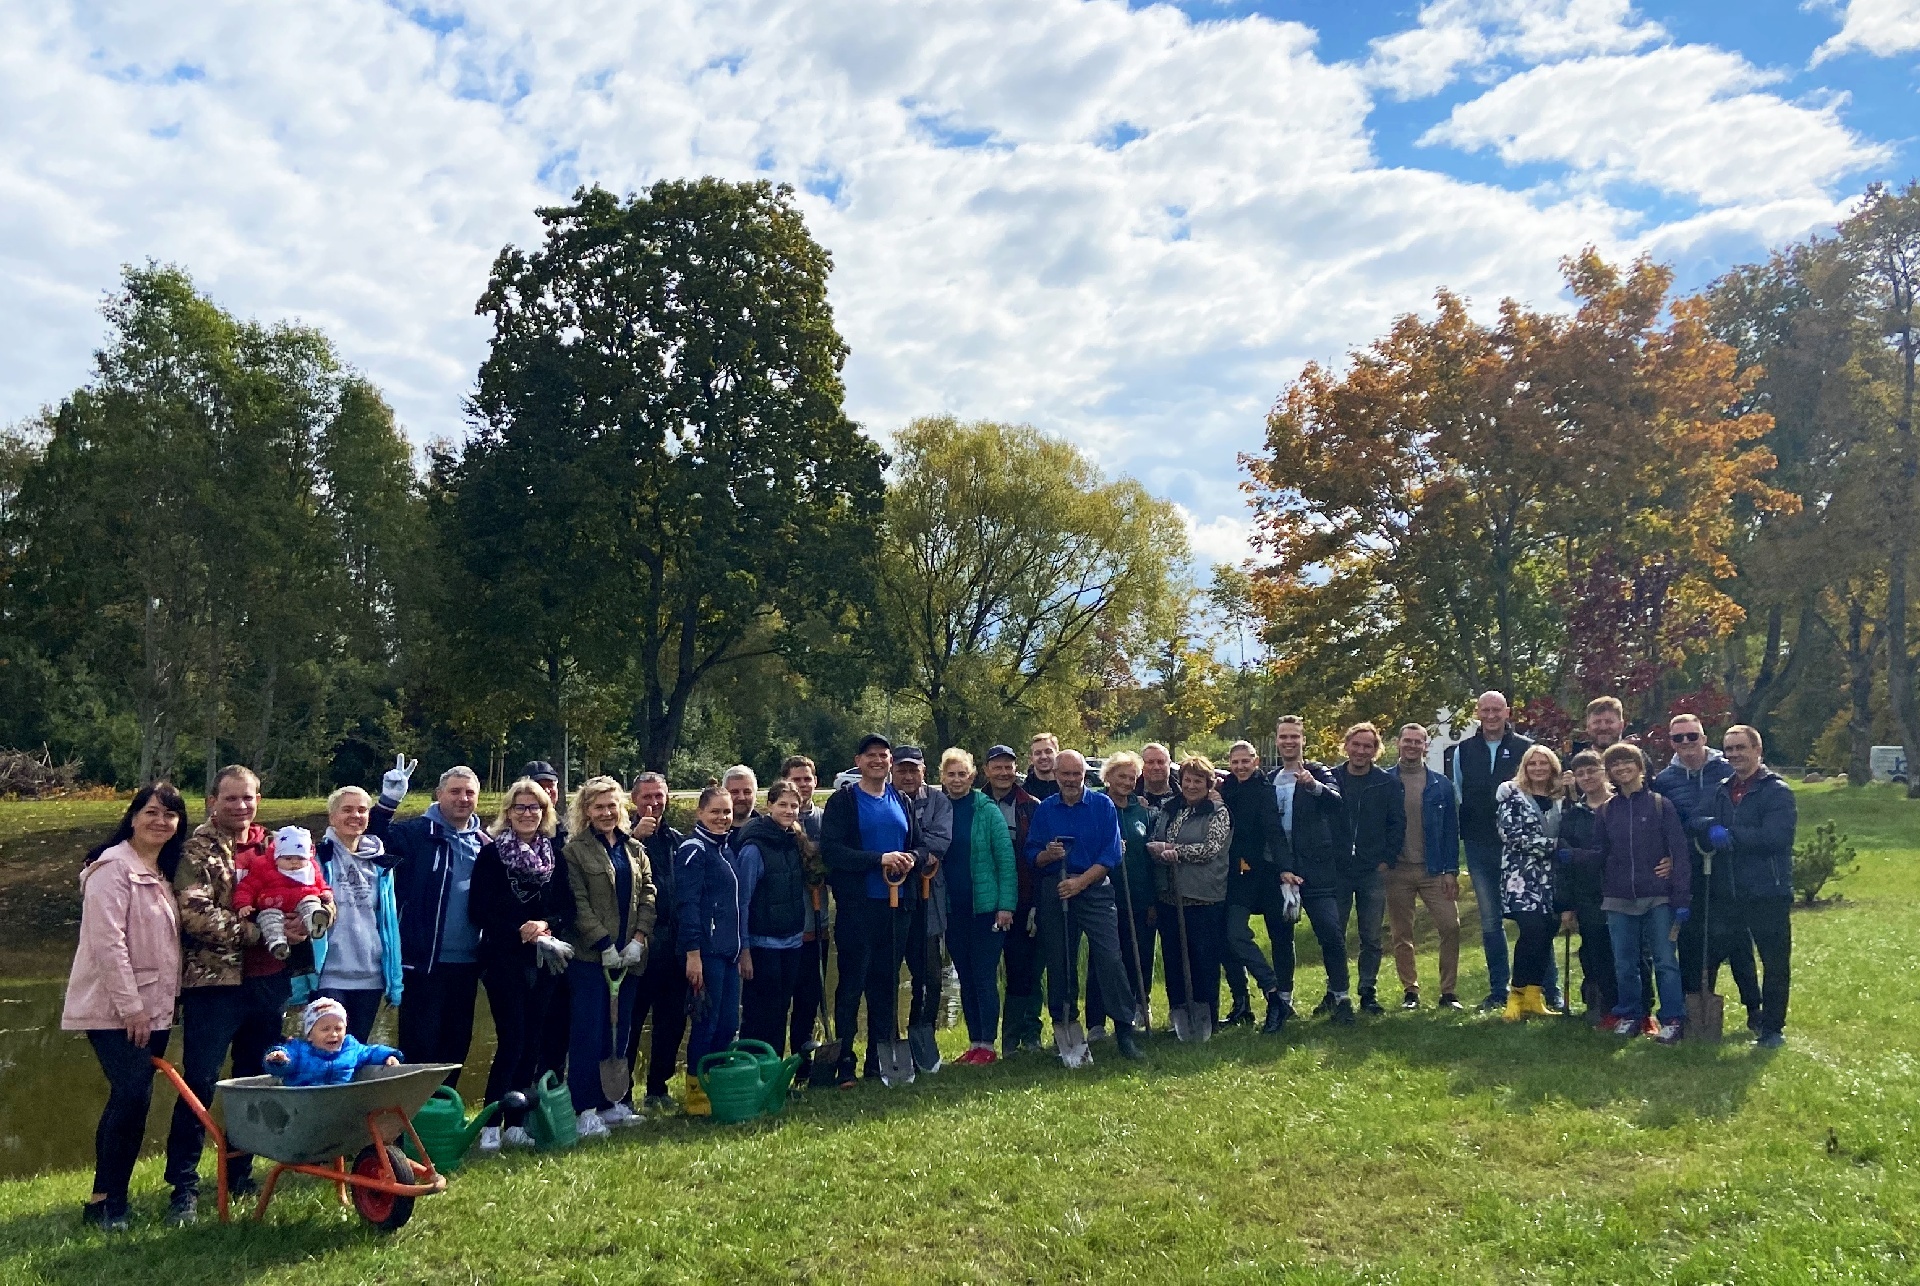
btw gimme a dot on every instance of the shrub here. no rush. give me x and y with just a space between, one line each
1827 856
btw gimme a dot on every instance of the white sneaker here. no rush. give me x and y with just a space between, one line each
591 1126
490 1138
620 1114
515 1136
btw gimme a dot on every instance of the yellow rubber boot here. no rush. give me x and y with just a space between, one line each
1515 1010
1533 1001
693 1100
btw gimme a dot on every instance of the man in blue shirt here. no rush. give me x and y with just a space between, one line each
1073 842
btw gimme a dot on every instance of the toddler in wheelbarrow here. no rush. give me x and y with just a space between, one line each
337 1110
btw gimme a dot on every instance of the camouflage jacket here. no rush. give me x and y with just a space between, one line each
212 936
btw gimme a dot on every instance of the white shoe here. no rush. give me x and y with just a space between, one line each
591 1126
1097 1034
515 1136
620 1114
490 1138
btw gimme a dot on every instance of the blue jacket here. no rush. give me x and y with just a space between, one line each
1439 822
1690 791
307 985
1094 825
1760 864
309 1066
422 875
709 897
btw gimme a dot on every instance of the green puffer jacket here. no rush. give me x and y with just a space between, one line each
990 859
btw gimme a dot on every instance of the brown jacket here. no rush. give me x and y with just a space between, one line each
128 963
596 913
212 935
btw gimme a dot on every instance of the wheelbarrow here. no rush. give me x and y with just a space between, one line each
346 1134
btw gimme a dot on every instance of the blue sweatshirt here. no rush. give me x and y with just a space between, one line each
309 1065
1093 824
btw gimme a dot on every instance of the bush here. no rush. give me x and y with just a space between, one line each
1827 856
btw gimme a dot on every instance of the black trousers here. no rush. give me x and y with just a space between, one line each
809 990
1534 952
362 1006
248 1019
116 1143
1321 909
436 1015
766 999
926 970
873 943
1206 947
1597 986
663 993
1764 925
1739 958
518 996
1020 1015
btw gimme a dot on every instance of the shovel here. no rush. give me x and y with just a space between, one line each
1069 1035
920 1038
1193 1021
616 1077
1706 1011
1566 973
823 1069
894 1055
1144 1016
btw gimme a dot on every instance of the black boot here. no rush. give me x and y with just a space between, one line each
1276 1015
1242 1012
1343 1013
1325 1006
1124 1042
1369 1003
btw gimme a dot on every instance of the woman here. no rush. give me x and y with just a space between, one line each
125 980
358 961
773 856
519 897
1527 811
982 890
612 888
1133 882
1647 895
710 913
1191 838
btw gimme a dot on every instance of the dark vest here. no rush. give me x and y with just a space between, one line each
779 906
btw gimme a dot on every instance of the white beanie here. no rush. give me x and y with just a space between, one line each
319 1009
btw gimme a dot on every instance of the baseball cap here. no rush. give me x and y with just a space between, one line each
1001 752
909 754
540 768
871 740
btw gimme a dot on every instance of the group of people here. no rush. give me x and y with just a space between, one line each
588 931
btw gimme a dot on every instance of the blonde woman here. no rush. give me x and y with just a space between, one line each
1527 811
358 961
521 902
613 895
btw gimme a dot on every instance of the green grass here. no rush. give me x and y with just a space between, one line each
1410 1149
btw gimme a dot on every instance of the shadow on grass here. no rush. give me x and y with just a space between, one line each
55 1247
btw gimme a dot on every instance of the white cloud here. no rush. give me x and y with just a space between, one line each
1224 538
1457 35
1879 27
1685 119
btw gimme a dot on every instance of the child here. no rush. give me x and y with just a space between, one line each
290 882
325 1054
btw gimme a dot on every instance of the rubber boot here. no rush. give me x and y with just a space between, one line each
1123 1040
1533 1002
693 1100
1516 1009
1276 1015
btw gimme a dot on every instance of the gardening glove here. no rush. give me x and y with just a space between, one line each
1682 914
1720 837
610 959
634 954
393 786
552 953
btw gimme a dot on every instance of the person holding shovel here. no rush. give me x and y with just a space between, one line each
981 893
1120 775
711 916
1192 837
1074 842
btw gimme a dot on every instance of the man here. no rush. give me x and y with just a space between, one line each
1020 1015
742 788
935 814
439 945
1157 785
545 776
1689 781
1308 797
1477 767
1428 867
1750 824
1606 724
233 991
1043 748
663 987
1376 831
870 839
1074 842
809 989
1254 864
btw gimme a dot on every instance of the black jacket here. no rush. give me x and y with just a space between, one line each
1578 883
1476 775
1259 851
498 911
778 908
660 848
1374 817
849 862
1318 825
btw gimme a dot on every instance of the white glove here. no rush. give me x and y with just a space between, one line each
393 786
552 953
610 959
634 954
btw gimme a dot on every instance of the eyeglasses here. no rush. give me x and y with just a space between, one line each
527 809
1684 737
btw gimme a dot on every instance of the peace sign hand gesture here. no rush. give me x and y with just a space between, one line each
393 786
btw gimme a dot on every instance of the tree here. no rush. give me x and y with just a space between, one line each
1006 553
662 478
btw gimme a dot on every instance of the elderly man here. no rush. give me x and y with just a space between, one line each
1073 843
439 945
1020 1015
1157 785
742 788
928 924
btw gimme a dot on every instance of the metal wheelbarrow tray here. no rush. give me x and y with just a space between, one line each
345 1134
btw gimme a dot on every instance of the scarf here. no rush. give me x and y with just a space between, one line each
529 864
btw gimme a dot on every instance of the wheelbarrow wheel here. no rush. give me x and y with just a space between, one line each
386 1211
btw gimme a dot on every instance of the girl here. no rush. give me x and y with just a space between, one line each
773 855
1527 811
711 914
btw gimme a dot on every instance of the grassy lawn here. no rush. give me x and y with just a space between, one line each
1414 1148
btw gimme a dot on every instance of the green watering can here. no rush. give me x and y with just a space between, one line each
550 1118
776 1073
731 1078
444 1126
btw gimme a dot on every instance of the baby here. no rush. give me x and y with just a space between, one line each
290 882
325 1054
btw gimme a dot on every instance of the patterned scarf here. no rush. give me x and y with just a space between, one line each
529 864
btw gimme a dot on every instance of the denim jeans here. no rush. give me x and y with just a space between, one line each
1649 934
716 1011
249 1019
976 952
116 1143
1366 897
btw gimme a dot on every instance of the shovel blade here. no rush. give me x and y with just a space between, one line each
926 1050
1706 1015
896 1063
1070 1039
615 1079
1193 1023
824 1071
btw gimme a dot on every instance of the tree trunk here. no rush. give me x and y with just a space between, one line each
1900 664
1858 650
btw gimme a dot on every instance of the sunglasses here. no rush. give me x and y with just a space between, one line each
1684 737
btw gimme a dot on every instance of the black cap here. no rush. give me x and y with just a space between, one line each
1001 752
909 754
871 740
540 768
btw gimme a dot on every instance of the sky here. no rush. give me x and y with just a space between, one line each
1127 224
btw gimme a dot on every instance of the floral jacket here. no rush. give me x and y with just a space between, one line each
1526 850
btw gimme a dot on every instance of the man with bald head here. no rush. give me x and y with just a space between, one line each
1477 767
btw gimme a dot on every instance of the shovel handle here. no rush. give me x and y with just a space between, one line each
819 898
926 885
893 887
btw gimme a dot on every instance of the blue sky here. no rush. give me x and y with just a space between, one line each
1127 224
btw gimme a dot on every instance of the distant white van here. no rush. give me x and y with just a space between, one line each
1889 763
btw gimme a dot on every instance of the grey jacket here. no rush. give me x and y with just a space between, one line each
1202 835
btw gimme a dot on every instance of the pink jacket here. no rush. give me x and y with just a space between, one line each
128 961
